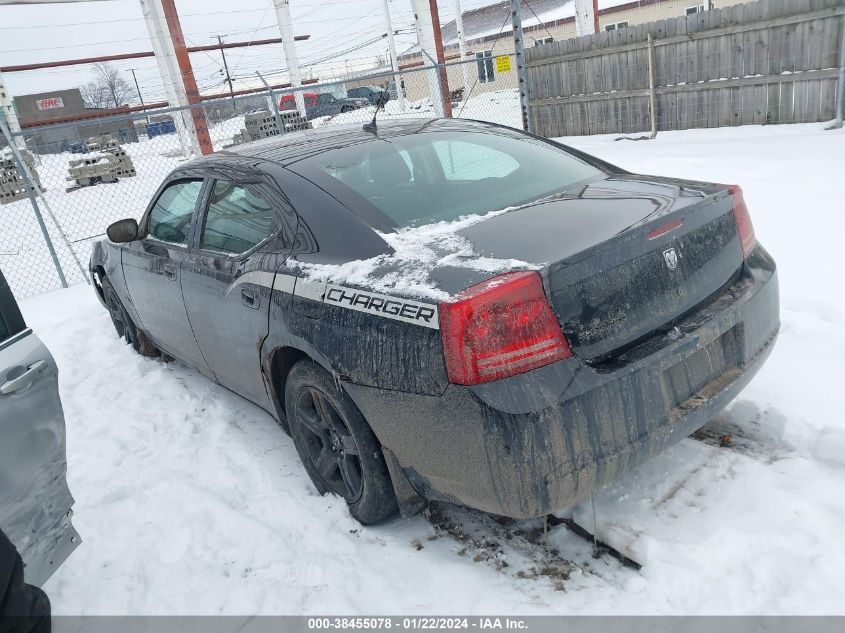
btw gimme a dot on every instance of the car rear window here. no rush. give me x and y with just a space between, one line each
440 176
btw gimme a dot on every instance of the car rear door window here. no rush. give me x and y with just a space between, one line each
171 215
11 321
238 218
5 331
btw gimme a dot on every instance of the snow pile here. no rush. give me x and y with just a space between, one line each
190 500
417 252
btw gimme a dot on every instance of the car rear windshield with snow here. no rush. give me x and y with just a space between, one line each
424 178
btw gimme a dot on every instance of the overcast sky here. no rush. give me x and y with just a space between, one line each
33 33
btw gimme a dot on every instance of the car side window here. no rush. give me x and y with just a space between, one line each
238 218
11 321
469 161
171 215
5 331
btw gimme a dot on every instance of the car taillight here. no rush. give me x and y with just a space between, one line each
501 327
743 221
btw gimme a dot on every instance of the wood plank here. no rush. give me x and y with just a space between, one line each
828 99
830 42
682 60
801 45
760 103
773 103
736 16
814 100
725 55
724 107
701 102
761 46
747 104
787 103
711 108
749 40
815 54
671 57
801 113
736 105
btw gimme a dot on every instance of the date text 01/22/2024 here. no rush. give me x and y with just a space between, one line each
417 623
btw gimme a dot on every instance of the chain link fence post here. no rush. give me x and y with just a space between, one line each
521 66
840 102
274 104
30 192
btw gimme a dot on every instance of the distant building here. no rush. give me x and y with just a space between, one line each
65 105
488 33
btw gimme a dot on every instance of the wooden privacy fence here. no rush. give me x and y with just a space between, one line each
772 61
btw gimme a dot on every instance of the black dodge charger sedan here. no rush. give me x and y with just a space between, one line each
448 309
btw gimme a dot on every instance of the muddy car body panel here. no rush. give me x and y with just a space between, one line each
665 315
35 503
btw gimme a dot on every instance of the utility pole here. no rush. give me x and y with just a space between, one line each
586 17
394 63
165 56
521 66
840 104
292 61
8 108
138 89
430 41
462 44
191 91
228 76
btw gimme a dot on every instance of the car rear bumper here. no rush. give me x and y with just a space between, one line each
536 443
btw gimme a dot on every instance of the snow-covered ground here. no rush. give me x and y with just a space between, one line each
191 500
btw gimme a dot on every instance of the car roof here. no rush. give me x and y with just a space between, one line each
294 146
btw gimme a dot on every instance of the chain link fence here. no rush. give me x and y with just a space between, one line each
94 171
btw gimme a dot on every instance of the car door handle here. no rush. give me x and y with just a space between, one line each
170 272
249 298
25 380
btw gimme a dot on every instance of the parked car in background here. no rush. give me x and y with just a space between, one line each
322 104
615 313
35 503
370 93
78 148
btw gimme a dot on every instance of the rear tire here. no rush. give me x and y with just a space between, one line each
123 324
336 445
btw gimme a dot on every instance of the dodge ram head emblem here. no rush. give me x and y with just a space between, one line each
671 258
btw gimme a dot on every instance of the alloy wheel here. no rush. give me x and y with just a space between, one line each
329 445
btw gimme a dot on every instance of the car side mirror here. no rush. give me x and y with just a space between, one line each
123 231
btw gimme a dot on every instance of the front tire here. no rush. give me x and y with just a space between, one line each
336 445
122 322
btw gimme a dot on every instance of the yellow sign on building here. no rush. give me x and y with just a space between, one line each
503 63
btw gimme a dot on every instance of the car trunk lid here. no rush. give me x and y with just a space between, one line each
624 257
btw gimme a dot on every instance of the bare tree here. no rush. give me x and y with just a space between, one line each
108 90
93 95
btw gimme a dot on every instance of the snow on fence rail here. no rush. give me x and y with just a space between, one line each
772 61
77 212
